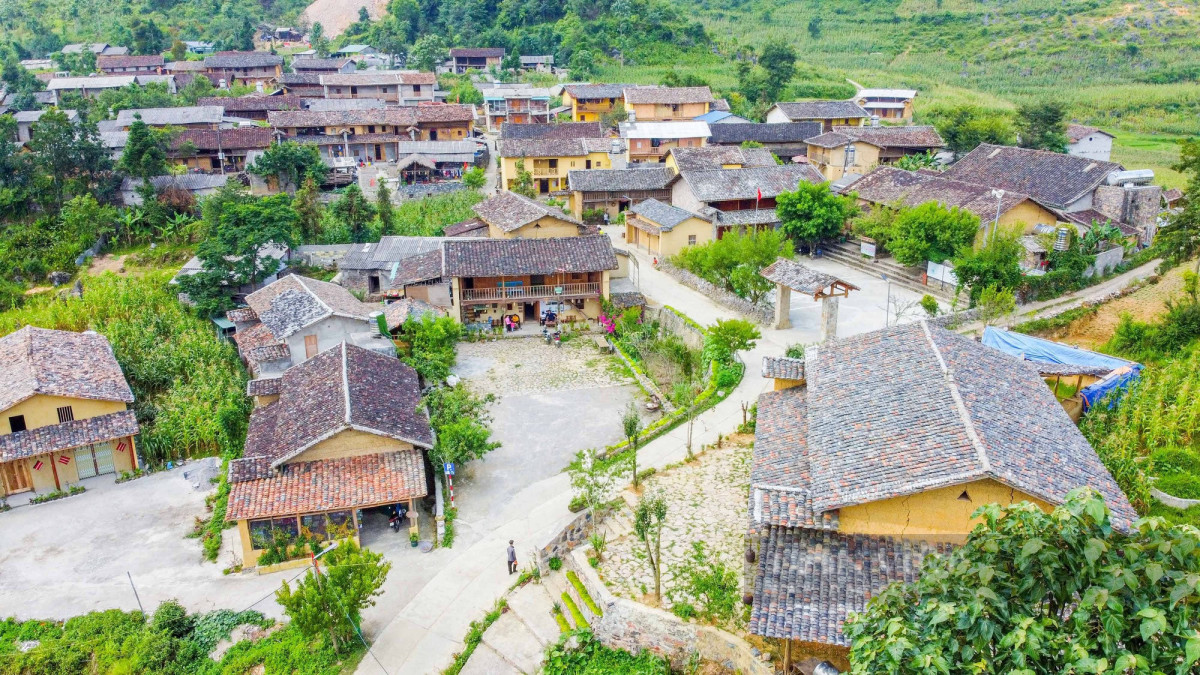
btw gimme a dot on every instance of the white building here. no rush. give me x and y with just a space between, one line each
1089 142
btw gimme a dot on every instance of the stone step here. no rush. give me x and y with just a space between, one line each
556 585
899 276
485 661
515 643
532 605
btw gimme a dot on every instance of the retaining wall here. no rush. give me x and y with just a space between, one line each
762 313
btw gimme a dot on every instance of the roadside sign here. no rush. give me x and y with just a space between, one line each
449 468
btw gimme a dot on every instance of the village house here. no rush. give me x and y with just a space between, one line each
125 65
494 278
615 190
199 47
185 117
64 412
1089 142
338 104
591 102
663 230
549 160
295 318
218 150
323 66
305 85
893 105
667 104
399 87
738 198
339 435
26 119
373 135
252 106
184 67
559 131
198 185
888 187
509 215
828 114
431 161
396 267
721 117
463 59
540 63
838 511
97 48
715 157
785 140
250 68
1079 190
515 105
857 150
90 87
357 52
651 141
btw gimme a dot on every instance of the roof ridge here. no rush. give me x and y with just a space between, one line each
346 381
300 280
959 405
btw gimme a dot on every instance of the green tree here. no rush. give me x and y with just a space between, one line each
965 126
1043 126
460 419
728 336
631 424
995 303
522 183
614 117
69 160
1032 592
814 27
428 52
290 162
145 152
353 209
328 603
648 520
877 223
148 38
307 205
582 65
813 213
922 160
778 61
1180 237
179 51
463 90
474 178
243 37
320 43
431 351
385 209
734 261
931 232
997 264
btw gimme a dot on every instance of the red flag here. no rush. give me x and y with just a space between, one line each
64 460
760 194
37 466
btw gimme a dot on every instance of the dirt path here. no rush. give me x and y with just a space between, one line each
107 263
336 16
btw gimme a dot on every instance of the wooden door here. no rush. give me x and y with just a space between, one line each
310 346
16 477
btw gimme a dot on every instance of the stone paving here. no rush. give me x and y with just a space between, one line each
707 500
526 366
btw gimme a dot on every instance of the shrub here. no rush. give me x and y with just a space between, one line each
555 563
733 262
1173 460
583 593
576 615
930 305
563 625
1182 485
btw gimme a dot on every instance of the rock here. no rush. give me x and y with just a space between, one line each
59 278
27 645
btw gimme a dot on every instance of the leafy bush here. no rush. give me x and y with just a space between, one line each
1182 485
931 232
795 351
733 262
1173 460
930 305
576 615
431 339
583 654
712 588
555 563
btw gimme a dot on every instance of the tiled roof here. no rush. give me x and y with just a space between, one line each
157 117
1078 132
562 130
1090 217
318 64
717 156
668 95
417 268
1054 179
549 147
499 257
399 311
67 435
264 386
302 79
252 102
378 77
346 387
322 104
387 252
887 185
243 60
664 216
241 315
410 115
289 304
104 62
914 407
330 485
39 361
761 216
184 66
732 133
477 52
799 277
780 477
880 137
268 353
727 184
783 367
509 211
822 110
595 91
471 227
618 180
808 581
245 138
188 181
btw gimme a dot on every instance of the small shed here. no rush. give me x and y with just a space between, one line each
789 275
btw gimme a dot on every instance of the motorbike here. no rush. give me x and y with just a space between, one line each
558 339
397 516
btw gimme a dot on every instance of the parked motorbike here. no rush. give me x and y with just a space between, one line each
546 335
558 339
397 516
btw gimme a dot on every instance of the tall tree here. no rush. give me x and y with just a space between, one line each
778 61
1181 235
813 213
385 209
1042 126
631 424
69 157
328 603
307 205
931 232
290 162
965 126
522 183
148 38
996 264
145 152
428 52
1036 592
355 211
648 520
320 43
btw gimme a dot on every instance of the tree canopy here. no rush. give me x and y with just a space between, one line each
813 213
1043 126
931 232
996 264
329 604
964 127
290 162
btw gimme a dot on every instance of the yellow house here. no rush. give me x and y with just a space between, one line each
591 102
829 114
874 451
714 157
549 160
894 105
509 215
663 230
652 141
666 104
338 435
64 411
888 187
857 150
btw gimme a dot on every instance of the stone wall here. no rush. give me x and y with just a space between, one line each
318 255
1106 261
954 320
675 323
403 192
762 313
560 545
635 627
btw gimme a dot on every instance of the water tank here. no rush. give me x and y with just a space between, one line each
1062 241
1126 177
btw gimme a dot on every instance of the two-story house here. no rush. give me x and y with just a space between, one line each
250 68
667 104
549 160
91 87
218 150
252 106
738 198
515 105
857 150
463 59
26 119
64 411
323 66
893 105
398 87
615 190
509 215
371 135
840 510
128 64
339 435
651 141
713 157
591 102
786 140
185 117
828 114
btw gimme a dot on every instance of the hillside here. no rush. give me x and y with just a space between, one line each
335 16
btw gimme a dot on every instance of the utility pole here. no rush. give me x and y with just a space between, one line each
999 195
135 593
887 307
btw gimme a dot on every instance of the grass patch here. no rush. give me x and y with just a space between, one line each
576 615
1037 326
583 593
563 625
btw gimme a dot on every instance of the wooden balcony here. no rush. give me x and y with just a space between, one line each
545 171
531 292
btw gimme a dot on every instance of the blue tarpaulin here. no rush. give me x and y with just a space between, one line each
1121 372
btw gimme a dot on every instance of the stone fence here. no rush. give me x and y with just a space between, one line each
560 545
634 627
761 312
322 255
419 190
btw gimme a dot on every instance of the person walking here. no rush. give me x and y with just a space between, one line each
512 557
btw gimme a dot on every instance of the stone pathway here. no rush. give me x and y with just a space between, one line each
706 501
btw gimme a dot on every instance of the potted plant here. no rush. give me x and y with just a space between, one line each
412 539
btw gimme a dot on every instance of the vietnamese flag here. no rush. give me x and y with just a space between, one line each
760 194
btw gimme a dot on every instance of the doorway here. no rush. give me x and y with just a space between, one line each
531 312
15 476
94 460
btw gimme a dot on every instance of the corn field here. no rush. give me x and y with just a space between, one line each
189 387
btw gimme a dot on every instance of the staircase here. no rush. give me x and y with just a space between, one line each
847 253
